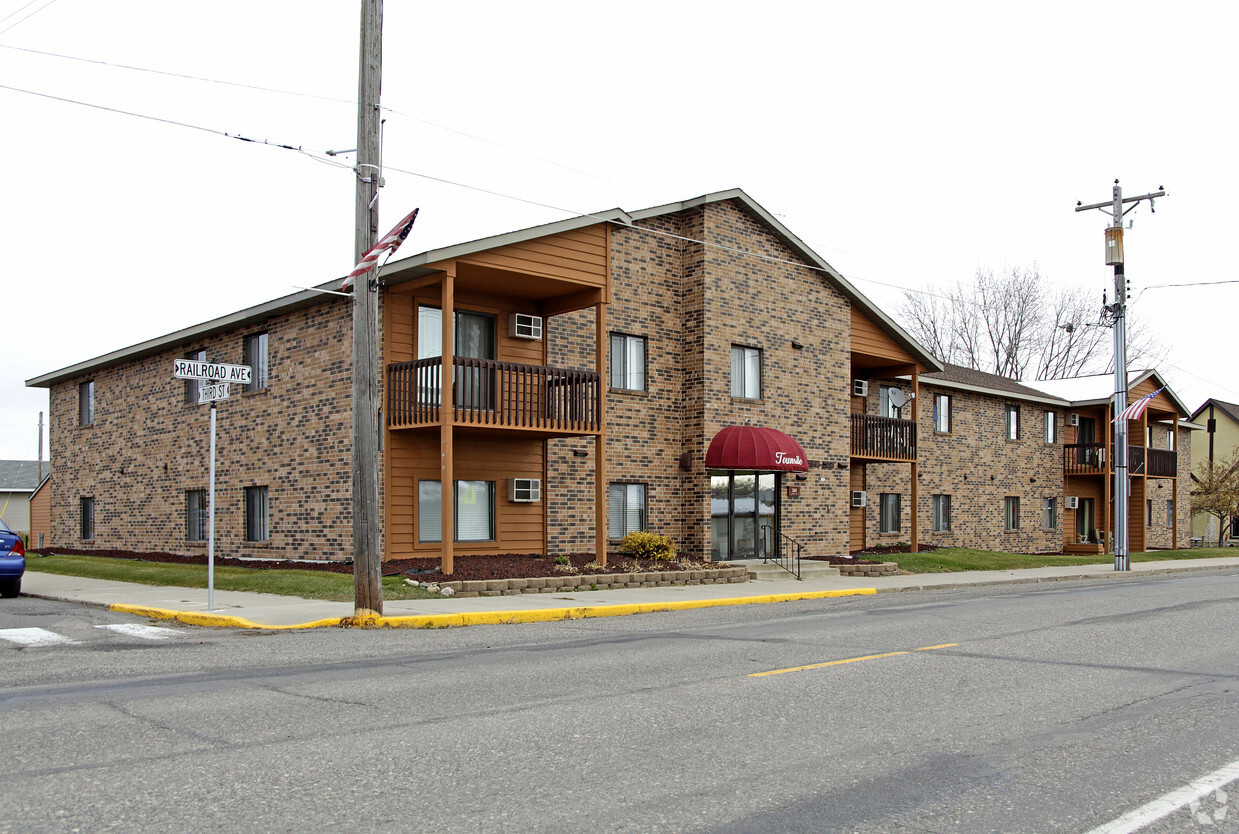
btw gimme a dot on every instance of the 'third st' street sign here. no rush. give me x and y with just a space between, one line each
212 391
217 371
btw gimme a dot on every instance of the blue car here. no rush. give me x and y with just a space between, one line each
12 562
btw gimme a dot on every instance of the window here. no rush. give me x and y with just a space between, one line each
1012 512
256 358
191 385
197 514
942 414
1148 437
889 514
1051 427
942 513
745 372
625 509
1148 516
1049 512
1013 422
627 362
1170 440
256 522
886 403
86 403
1170 513
88 518
473 337
473 511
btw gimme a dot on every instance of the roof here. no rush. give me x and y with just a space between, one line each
416 266
1099 388
967 379
22 475
1229 409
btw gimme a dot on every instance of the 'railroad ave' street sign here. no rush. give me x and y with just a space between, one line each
212 391
218 371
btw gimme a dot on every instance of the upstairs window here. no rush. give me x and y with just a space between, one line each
1051 427
627 362
745 372
1012 427
256 358
890 401
192 385
942 414
86 403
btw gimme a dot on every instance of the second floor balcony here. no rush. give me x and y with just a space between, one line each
502 395
883 438
1096 459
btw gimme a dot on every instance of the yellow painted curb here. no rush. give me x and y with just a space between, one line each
544 615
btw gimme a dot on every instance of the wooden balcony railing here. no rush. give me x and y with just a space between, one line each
883 438
1092 459
498 394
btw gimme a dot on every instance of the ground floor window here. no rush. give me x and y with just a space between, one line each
1084 521
473 511
743 514
88 518
1049 512
942 513
1011 506
889 512
256 518
196 515
625 509
1170 513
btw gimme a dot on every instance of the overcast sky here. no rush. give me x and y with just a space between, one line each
909 144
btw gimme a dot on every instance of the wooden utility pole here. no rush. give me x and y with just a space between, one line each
1117 313
367 524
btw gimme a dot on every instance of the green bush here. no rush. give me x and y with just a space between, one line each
645 545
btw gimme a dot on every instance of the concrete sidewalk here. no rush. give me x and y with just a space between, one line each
237 609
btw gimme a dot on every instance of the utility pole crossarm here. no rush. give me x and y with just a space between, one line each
1110 203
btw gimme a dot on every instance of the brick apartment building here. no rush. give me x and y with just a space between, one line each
692 369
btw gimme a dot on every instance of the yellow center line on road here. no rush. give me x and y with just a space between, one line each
849 660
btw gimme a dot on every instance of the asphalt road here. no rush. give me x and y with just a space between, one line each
1026 708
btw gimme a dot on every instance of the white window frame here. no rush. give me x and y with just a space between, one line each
1050 427
626 366
430 511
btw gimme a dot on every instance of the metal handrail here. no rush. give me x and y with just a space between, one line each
785 562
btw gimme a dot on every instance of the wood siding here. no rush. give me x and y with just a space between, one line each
856 515
869 340
579 256
478 456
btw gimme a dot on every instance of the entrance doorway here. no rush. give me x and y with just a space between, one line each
744 514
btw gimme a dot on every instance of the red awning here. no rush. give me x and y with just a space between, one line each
753 447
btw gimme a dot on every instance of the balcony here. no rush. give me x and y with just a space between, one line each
503 395
1090 459
883 438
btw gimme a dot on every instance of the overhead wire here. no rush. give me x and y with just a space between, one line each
27 17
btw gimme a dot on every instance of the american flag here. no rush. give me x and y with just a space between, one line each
390 242
1136 410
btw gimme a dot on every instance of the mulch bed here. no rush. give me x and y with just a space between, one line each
499 566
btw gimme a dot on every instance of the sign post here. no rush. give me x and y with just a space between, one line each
214 378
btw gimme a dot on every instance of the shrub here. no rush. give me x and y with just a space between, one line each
645 545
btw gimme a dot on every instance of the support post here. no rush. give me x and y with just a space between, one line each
600 441
447 413
914 543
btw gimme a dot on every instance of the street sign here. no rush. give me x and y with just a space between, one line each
212 391
218 371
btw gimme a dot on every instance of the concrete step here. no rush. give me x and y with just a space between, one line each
769 571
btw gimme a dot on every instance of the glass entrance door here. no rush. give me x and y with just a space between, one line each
744 514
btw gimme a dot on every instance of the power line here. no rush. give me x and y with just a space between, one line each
27 17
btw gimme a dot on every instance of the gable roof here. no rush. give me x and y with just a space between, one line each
1229 409
419 265
1099 388
22 475
968 379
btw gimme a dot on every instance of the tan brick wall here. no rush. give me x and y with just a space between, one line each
146 446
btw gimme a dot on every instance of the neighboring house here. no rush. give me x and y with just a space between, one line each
692 369
18 481
1218 441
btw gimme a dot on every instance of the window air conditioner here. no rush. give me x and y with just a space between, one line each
1073 419
1073 503
860 388
859 497
525 326
526 490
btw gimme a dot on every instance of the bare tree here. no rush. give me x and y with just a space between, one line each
1014 325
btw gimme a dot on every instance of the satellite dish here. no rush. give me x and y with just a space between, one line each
898 398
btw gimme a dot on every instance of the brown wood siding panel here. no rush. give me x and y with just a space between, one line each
579 256
856 515
414 457
1083 488
868 339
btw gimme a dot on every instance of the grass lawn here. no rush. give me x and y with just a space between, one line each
961 558
309 584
